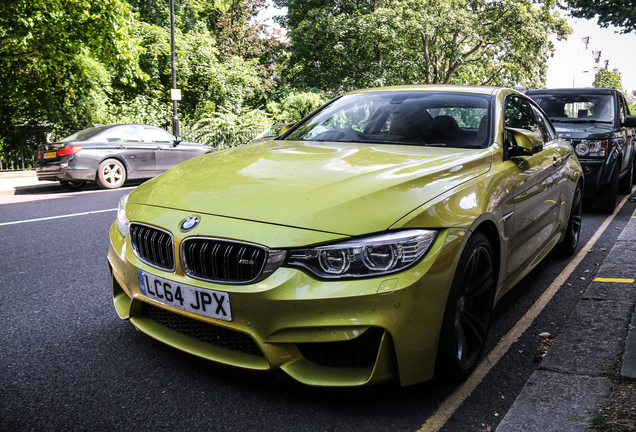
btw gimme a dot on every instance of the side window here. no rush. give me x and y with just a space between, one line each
624 108
157 135
520 114
547 132
125 134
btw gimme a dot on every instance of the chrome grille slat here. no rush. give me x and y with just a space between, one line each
222 261
153 246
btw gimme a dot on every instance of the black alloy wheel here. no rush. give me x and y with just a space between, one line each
573 231
468 310
73 185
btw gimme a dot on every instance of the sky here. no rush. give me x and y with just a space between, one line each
572 64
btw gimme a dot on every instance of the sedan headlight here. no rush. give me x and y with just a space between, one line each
367 257
122 221
591 148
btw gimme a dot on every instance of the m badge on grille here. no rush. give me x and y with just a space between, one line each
189 223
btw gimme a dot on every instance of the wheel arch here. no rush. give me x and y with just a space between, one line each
115 156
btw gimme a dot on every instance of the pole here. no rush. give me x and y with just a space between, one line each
175 118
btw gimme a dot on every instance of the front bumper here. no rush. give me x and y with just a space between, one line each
337 333
593 171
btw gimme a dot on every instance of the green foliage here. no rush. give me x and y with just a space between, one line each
58 58
608 79
338 45
295 105
620 14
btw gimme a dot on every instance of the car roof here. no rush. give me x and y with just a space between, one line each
584 90
484 90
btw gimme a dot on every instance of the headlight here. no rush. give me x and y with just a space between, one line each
368 257
591 148
122 221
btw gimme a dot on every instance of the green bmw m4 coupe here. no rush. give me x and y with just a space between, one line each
370 241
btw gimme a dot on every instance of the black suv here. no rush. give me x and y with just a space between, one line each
597 123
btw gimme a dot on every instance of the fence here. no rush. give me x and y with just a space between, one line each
19 146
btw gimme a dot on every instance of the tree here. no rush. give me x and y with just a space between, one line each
341 44
58 59
607 79
621 14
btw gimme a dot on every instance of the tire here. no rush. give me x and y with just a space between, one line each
627 182
111 174
573 230
604 200
73 185
467 314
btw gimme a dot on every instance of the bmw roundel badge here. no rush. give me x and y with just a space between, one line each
189 223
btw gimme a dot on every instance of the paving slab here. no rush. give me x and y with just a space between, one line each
628 369
591 339
556 402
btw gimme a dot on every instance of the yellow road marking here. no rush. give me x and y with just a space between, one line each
454 401
614 280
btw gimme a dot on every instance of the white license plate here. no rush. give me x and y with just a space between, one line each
214 304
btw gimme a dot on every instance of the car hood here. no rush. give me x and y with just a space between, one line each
343 188
582 130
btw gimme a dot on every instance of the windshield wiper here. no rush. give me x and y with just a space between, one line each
580 121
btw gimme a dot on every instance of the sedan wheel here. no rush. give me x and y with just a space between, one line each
468 310
111 174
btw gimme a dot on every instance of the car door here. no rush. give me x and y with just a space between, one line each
167 154
537 183
138 154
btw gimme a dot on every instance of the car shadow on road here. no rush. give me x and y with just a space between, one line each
53 188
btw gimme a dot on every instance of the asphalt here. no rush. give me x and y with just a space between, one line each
572 381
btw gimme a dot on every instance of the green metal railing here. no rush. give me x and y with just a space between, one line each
19 146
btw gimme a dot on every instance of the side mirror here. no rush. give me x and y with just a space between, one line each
523 142
285 128
176 141
630 121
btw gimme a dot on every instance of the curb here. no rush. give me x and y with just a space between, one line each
568 386
17 174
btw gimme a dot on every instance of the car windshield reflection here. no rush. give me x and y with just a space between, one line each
399 117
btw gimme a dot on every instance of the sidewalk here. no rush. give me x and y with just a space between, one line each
568 388
20 182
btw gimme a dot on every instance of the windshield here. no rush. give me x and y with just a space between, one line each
402 117
84 134
577 107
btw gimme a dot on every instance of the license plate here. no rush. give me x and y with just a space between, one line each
210 303
49 155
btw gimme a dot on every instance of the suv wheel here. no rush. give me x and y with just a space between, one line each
626 183
605 199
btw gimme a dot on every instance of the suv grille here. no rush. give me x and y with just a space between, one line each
222 261
356 353
202 331
153 246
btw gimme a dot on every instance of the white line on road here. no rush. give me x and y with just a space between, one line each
56 217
